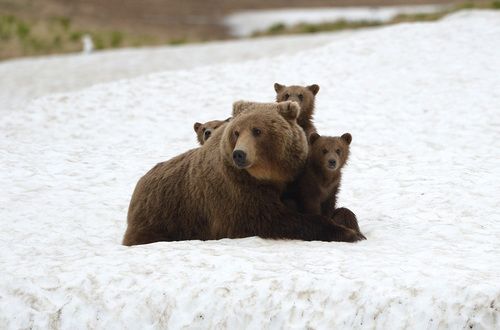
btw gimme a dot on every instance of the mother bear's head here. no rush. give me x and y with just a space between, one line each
265 140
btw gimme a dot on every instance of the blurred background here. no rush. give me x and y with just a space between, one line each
40 27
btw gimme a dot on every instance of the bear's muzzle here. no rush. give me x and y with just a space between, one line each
332 163
240 159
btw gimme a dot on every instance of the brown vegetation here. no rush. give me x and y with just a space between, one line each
33 27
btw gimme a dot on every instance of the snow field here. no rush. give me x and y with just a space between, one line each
421 101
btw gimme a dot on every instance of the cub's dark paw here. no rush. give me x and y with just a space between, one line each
355 236
361 236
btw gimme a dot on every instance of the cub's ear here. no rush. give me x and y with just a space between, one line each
196 126
241 106
347 138
289 110
314 89
313 137
278 87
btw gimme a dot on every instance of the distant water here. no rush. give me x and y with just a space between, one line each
245 23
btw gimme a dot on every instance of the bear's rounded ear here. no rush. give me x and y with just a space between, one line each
314 89
313 137
289 110
347 138
278 87
241 106
196 126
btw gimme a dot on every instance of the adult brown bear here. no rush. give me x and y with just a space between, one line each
231 187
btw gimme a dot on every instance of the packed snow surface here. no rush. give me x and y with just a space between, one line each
245 23
29 78
422 103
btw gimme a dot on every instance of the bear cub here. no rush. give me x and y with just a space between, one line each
315 191
204 131
305 97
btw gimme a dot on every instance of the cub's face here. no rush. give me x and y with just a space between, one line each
329 153
304 96
265 140
204 131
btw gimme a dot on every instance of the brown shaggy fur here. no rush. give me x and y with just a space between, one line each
204 131
315 190
231 186
305 96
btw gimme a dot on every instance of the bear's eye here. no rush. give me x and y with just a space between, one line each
337 151
216 127
236 133
287 96
256 132
203 129
325 151
301 97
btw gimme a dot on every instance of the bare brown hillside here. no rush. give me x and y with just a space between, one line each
32 27
176 18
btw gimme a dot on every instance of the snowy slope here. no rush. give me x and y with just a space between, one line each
29 78
422 103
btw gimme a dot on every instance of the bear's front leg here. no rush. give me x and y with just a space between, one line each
281 222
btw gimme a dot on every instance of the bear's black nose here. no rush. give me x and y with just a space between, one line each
332 163
207 134
239 157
